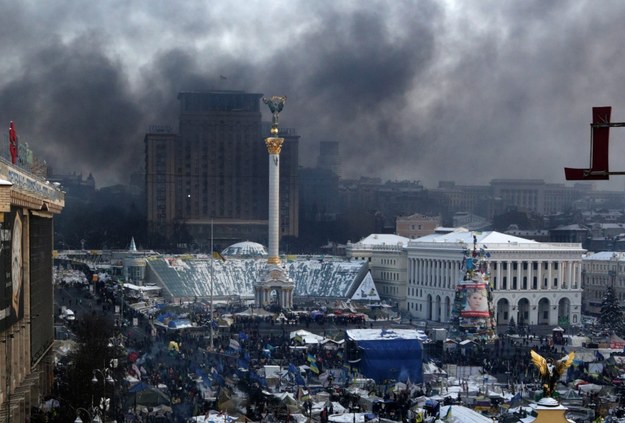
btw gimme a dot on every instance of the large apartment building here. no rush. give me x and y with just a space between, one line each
212 176
28 205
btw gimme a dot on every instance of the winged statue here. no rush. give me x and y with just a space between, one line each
550 371
276 104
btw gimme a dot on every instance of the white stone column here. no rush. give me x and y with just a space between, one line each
549 274
540 274
569 282
274 207
498 287
509 277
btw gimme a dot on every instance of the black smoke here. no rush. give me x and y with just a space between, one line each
422 90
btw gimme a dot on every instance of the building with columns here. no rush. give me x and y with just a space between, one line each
599 271
534 283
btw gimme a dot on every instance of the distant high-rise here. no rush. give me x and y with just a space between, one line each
213 172
329 157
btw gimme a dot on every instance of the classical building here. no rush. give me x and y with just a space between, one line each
534 283
533 195
599 271
213 174
386 256
28 204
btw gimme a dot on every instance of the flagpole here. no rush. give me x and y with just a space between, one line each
211 287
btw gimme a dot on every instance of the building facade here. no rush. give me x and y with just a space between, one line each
386 256
533 283
211 177
27 206
416 225
599 271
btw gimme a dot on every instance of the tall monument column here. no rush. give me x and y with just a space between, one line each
274 146
273 278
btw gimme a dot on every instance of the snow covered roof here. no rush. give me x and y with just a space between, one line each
190 276
463 414
466 236
605 255
384 239
246 248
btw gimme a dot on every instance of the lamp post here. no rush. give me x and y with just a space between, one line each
106 378
95 419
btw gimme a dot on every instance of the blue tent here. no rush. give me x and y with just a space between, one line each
394 354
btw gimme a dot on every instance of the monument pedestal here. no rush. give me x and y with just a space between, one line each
550 411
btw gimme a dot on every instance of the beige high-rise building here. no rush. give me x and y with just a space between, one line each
416 225
212 176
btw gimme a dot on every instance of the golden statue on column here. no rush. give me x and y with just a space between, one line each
274 277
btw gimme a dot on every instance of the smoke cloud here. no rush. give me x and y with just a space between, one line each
420 90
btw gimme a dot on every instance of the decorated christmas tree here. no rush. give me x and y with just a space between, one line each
473 313
611 317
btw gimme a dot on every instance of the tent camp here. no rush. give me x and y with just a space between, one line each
386 354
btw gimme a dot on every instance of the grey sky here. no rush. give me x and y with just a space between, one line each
421 90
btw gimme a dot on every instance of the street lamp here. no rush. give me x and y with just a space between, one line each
95 419
106 378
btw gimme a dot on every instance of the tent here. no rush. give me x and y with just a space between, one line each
255 312
146 395
387 354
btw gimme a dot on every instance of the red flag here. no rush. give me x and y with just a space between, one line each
12 142
599 143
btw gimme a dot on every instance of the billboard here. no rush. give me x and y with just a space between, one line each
11 268
475 302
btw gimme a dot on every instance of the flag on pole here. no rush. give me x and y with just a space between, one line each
217 255
12 142
234 344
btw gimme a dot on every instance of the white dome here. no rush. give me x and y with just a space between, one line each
246 248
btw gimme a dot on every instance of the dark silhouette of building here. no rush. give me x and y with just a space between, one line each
212 177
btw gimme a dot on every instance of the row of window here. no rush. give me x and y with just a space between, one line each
515 265
389 276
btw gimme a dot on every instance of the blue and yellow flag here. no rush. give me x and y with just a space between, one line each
314 368
217 255
311 358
